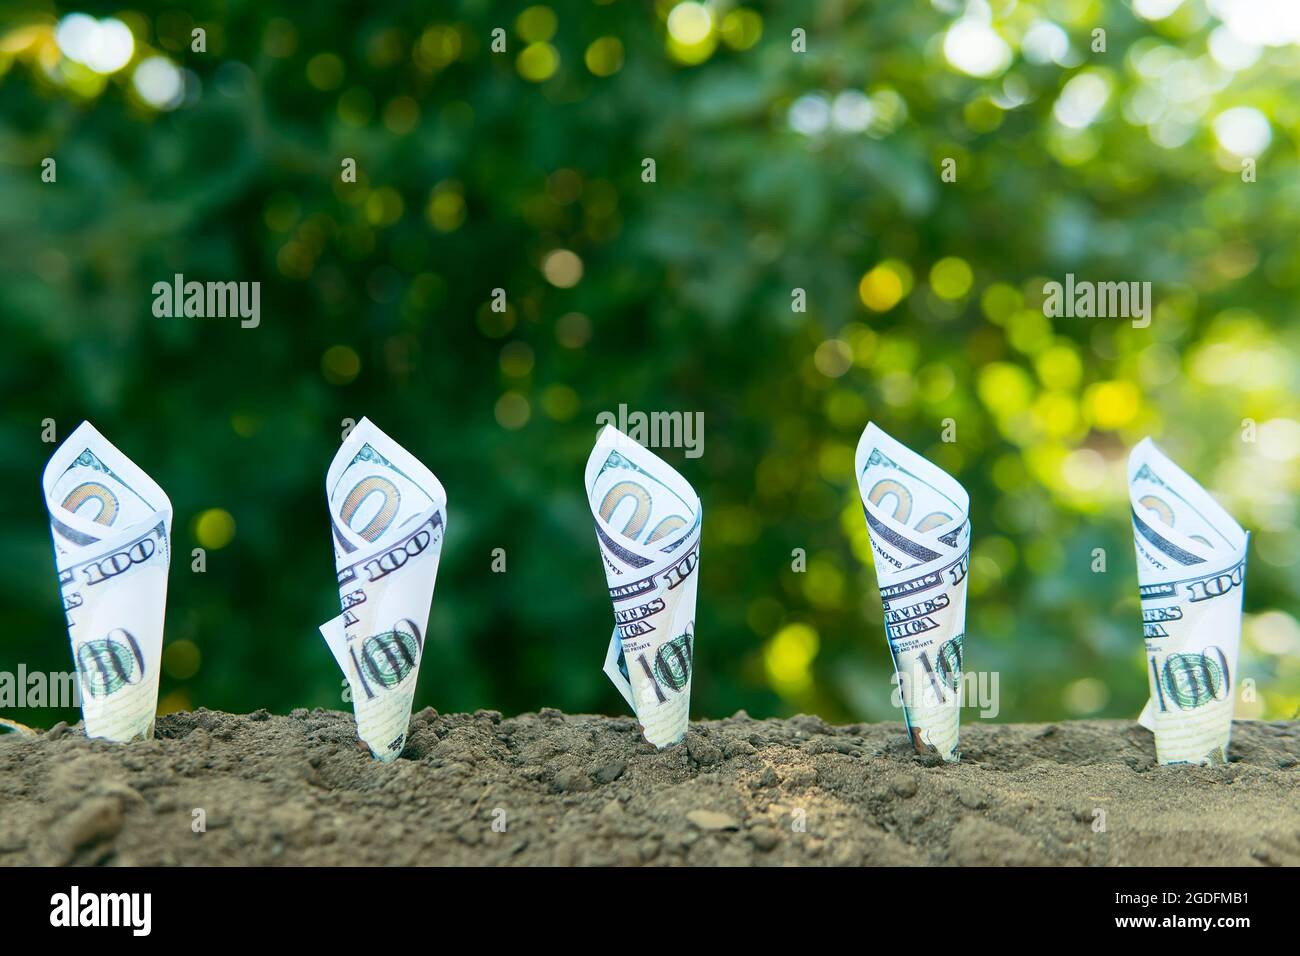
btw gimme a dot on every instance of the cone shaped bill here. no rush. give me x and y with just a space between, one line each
918 518
111 526
388 515
648 523
1191 563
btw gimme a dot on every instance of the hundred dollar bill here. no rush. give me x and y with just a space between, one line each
1191 563
918 519
388 514
112 548
648 529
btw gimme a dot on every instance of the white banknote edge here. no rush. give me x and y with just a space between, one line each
610 439
86 435
1146 452
356 549
335 633
363 432
875 437
614 672
68 554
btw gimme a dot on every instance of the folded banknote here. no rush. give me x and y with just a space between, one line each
1191 563
648 529
388 514
111 526
918 520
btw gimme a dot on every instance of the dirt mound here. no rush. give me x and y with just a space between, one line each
547 788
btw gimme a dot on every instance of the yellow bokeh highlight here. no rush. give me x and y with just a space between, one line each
823 583
1056 414
1112 405
1044 463
741 28
384 206
439 46
512 411
1005 389
1029 331
691 35
951 278
833 358
214 528
863 342
446 209
537 24
562 268
174 703
181 659
690 22
885 286
1000 301
325 71
936 381
895 353
340 364
604 57
788 658
560 402
538 62
1059 367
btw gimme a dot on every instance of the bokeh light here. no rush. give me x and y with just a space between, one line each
105 46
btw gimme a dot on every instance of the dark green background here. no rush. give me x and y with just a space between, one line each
687 288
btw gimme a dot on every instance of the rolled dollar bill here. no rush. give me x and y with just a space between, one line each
388 513
112 548
918 520
648 529
1191 564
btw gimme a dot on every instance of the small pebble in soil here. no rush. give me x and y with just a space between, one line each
572 780
767 778
712 820
764 839
95 820
904 786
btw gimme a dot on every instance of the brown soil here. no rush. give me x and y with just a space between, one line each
588 790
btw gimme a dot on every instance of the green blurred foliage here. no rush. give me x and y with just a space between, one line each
775 171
